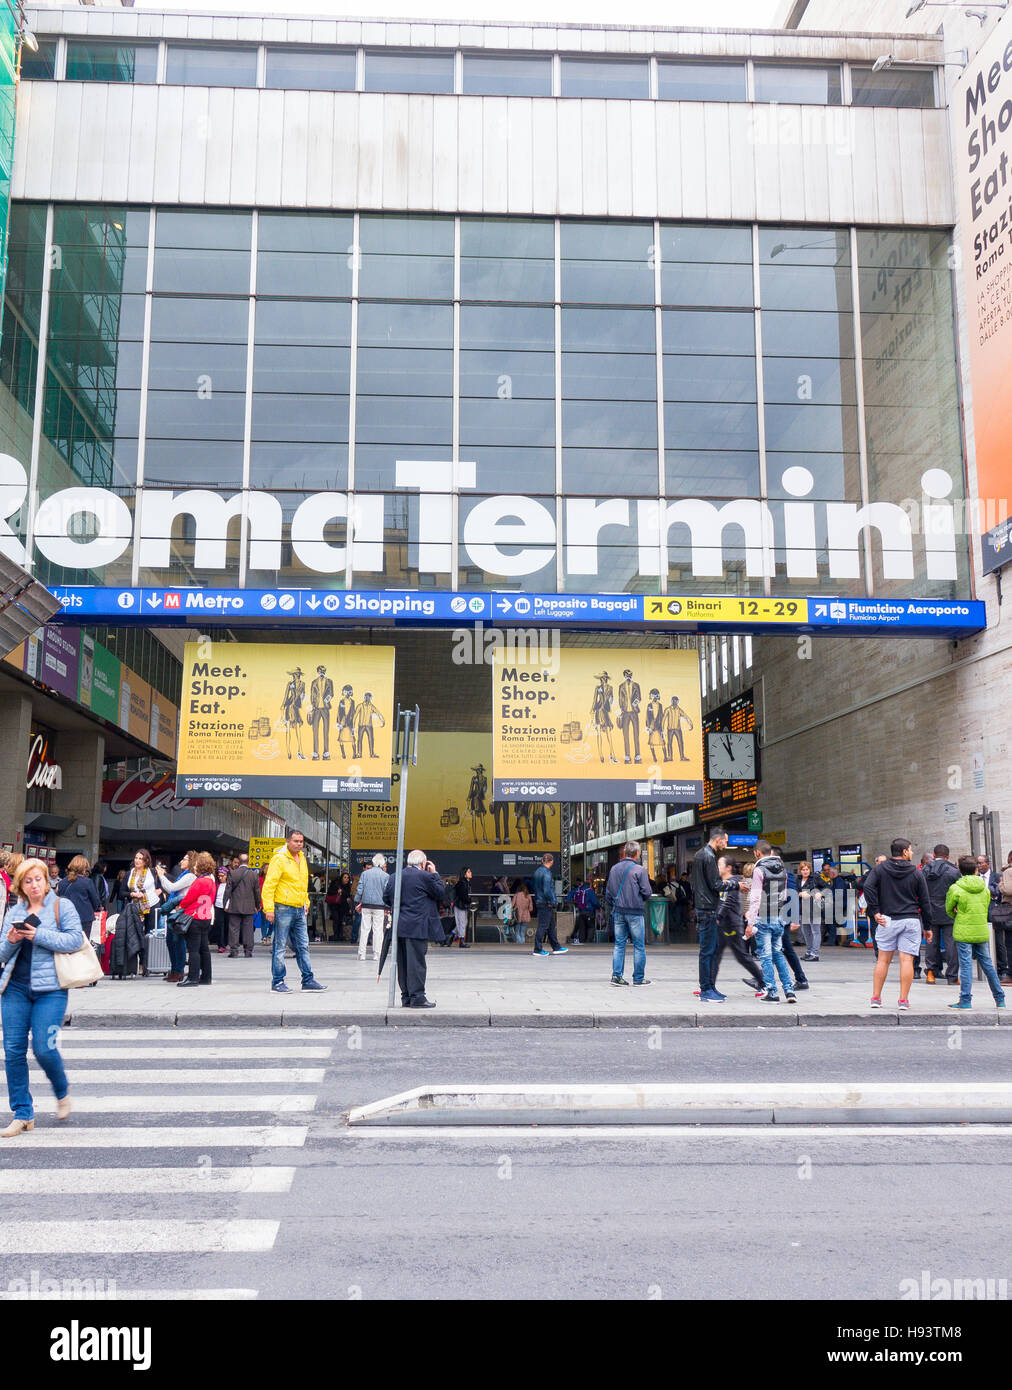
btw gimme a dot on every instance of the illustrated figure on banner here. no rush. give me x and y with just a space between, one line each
600 715
673 719
291 711
345 720
476 793
367 718
321 697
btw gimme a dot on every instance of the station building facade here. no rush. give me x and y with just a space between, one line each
360 305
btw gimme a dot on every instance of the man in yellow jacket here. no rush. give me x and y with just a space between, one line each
285 900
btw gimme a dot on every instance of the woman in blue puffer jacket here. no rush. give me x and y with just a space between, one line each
35 929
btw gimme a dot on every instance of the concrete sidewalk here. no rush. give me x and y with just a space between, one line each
499 986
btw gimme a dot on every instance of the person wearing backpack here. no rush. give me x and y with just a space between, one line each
967 903
767 915
939 875
584 901
626 893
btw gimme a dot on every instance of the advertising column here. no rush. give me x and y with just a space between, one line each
981 111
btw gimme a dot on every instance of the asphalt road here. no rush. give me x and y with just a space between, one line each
749 1216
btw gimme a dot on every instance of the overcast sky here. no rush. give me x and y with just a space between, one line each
754 14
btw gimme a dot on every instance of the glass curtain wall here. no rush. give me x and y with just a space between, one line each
551 403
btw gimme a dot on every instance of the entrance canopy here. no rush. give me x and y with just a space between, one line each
265 608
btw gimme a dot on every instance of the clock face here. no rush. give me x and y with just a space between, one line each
730 757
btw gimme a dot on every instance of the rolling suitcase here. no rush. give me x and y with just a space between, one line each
158 955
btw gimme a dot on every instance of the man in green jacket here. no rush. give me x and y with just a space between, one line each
967 902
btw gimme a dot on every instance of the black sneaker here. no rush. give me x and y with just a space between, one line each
642 982
790 996
800 984
618 980
755 988
768 996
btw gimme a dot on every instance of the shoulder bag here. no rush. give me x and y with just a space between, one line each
75 969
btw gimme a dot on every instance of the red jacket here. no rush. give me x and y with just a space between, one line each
198 900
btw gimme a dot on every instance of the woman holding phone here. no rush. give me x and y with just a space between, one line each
35 930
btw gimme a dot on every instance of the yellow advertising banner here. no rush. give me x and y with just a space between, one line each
261 848
451 808
618 724
280 719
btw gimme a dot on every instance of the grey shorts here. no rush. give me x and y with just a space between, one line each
902 934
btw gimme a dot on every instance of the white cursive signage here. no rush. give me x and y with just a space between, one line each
42 773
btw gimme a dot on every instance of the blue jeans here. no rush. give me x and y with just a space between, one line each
970 951
290 922
177 951
629 925
706 925
769 938
41 1014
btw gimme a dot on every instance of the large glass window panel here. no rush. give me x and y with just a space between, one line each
707 425
41 65
319 419
19 353
893 86
83 527
804 268
92 396
608 472
515 468
301 368
95 61
507 75
304 254
710 472
210 65
178 320
596 375
531 521
404 420
178 461
507 374
709 378
374 463
822 380
299 463
405 325
314 322
184 536
198 414
323 565
180 366
202 252
605 77
706 333
311 69
608 330
617 572
506 421
607 262
709 266
911 391
834 477
386 70
406 257
494 326
798 83
506 258
684 81
791 334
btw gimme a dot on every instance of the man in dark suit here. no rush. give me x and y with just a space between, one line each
321 696
629 697
422 891
242 903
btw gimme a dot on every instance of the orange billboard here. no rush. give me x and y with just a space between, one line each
981 102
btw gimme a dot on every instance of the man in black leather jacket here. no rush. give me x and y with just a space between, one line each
706 888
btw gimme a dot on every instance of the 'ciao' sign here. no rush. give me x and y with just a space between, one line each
41 772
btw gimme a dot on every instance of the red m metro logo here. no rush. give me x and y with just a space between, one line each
173 600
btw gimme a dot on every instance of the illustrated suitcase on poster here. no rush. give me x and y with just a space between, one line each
451 816
575 731
158 955
260 727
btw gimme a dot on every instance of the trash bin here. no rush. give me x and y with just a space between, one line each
657 915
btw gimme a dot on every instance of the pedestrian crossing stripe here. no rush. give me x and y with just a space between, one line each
89 1052
117 1294
135 1237
198 1076
81 1032
169 1137
206 1180
181 1104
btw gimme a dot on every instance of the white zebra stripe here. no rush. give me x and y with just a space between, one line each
162 1137
101 1237
181 1104
207 1181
